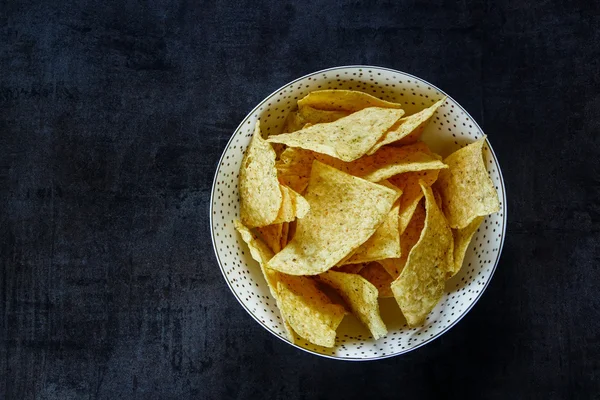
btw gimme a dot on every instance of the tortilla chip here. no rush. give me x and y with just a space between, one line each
293 168
302 305
348 138
295 164
361 296
421 283
285 229
378 276
260 196
438 198
384 243
349 268
344 212
309 311
384 164
271 235
408 239
315 116
294 122
411 192
292 206
346 100
258 249
462 238
408 129
466 188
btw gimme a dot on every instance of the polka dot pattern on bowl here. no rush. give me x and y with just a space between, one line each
449 129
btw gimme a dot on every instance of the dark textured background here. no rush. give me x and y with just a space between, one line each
113 115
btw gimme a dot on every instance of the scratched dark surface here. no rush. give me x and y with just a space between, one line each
113 115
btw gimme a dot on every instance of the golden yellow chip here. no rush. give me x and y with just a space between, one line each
309 311
361 296
260 196
294 122
346 100
348 138
303 306
258 249
438 198
293 168
285 229
387 162
378 276
411 192
295 164
408 239
408 129
313 116
462 238
293 205
384 243
349 268
466 188
421 283
271 235
344 212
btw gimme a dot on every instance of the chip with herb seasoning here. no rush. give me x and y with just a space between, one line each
466 188
348 138
409 183
305 309
379 277
344 212
462 239
361 296
420 285
385 242
260 196
408 129
345 100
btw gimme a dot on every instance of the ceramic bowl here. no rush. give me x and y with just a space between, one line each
449 129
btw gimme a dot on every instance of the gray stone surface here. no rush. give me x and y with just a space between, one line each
113 115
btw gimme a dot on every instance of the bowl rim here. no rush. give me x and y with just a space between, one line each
333 357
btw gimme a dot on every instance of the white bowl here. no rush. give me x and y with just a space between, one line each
449 129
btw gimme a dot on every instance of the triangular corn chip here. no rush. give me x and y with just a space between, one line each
293 168
466 188
379 277
295 163
303 306
412 126
294 122
411 192
408 239
346 100
260 196
386 163
309 311
344 212
421 283
361 296
271 235
349 268
285 229
313 116
462 238
348 138
384 243
293 205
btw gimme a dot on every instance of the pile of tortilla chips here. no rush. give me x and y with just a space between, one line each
353 202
